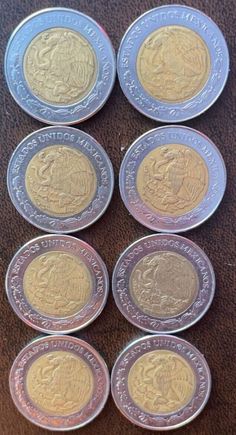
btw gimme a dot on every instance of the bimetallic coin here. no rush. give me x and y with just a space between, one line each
160 382
60 66
59 383
163 283
60 179
57 284
172 179
173 63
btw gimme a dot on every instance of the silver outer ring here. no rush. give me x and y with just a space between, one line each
164 136
71 137
78 347
170 243
134 37
44 323
138 348
20 91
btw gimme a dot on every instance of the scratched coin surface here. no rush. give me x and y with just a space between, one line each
59 383
49 393
173 63
60 66
145 387
160 382
163 283
57 284
172 179
60 179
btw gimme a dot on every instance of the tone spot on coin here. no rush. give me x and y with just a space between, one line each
60 181
161 382
172 179
163 284
57 284
60 66
173 64
60 383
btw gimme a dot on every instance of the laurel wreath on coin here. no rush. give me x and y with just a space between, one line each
55 222
173 110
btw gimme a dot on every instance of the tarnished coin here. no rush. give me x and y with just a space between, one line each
160 382
172 179
163 283
60 179
173 63
59 383
60 66
57 284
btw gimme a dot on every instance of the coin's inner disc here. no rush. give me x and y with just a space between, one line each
173 64
172 179
60 66
60 383
57 284
163 284
60 181
161 382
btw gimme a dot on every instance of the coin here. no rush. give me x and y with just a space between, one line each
173 63
60 179
59 383
163 283
60 66
160 382
57 284
172 179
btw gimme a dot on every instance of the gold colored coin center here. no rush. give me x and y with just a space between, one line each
60 383
60 181
57 284
172 179
161 382
163 284
173 64
60 66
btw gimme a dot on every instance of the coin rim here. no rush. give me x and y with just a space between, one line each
150 337
86 345
63 332
63 218
173 229
108 92
199 112
161 331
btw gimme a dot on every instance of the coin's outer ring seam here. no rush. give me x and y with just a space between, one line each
178 106
137 322
140 139
169 226
46 106
143 351
63 221
78 242
38 322
75 340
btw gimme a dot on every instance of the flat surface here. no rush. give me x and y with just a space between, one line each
116 126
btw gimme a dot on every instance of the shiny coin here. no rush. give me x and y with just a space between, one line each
160 382
172 179
57 284
60 66
59 383
163 283
60 179
173 63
